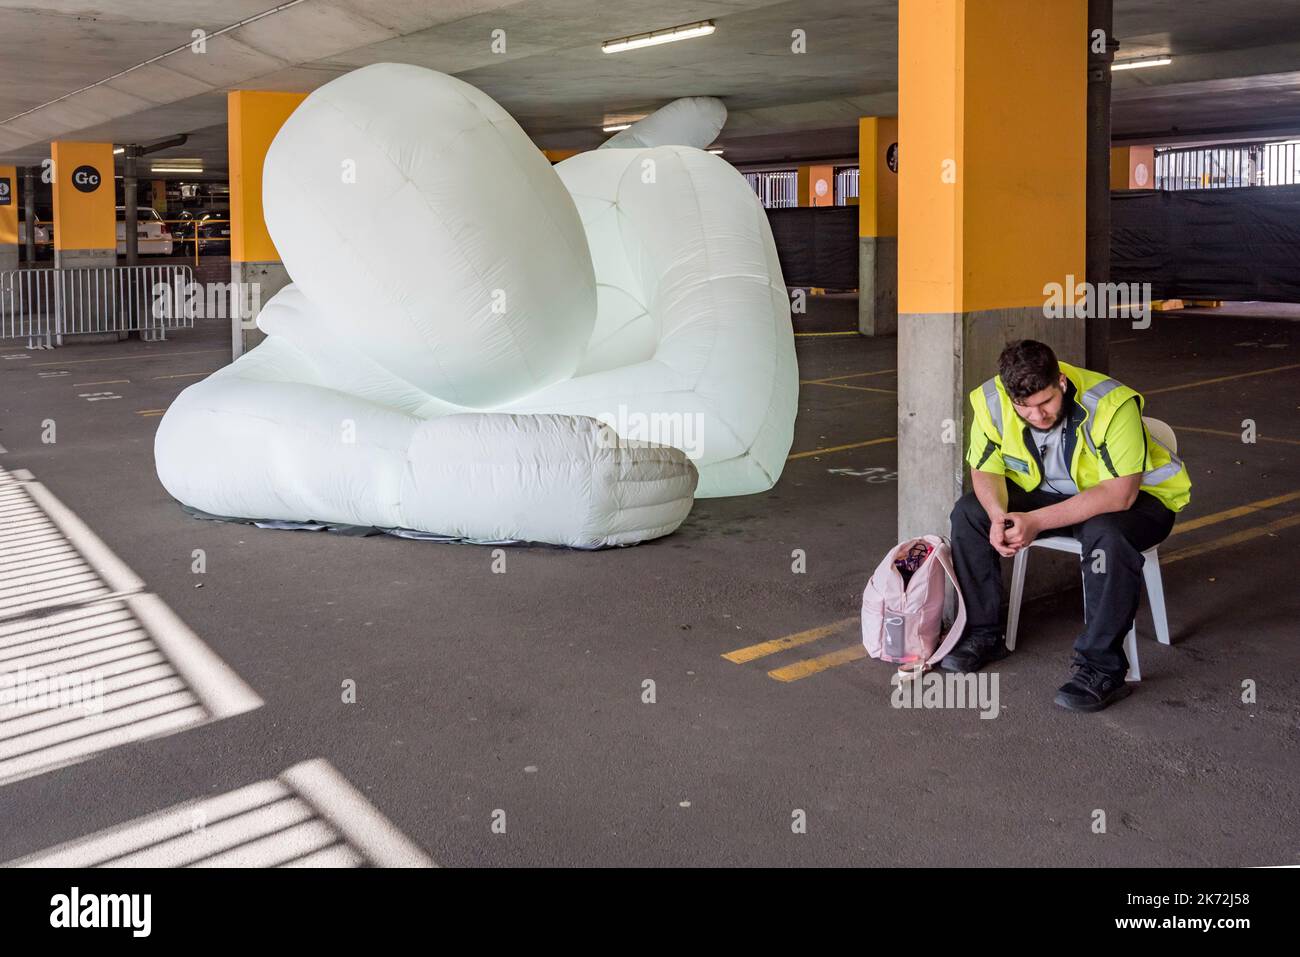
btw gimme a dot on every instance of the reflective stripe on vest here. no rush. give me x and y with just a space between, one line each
1089 401
990 388
1166 471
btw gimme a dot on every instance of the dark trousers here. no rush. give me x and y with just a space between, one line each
1111 592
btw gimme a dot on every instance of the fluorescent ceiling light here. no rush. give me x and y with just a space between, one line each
616 128
716 151
118 149
701 29
179 164
1142 63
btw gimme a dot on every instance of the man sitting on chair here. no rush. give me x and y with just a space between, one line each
1082 463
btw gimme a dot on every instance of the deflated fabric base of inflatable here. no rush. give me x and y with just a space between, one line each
260 440
370 531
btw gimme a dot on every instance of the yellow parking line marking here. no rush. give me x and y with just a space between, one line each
1233 435
77 385
1222 378
1248 509
839 448
765 648
1236 538
851 375
799 334
161 355
150 411
858 388
812 666
182 375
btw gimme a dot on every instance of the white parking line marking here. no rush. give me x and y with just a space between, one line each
310 816
88 659
343 805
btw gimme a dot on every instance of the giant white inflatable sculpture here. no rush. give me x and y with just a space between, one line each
479 345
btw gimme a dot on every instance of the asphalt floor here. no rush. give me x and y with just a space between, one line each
479 692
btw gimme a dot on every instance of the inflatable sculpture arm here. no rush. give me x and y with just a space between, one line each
691 121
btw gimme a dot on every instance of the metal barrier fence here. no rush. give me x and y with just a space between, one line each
48 304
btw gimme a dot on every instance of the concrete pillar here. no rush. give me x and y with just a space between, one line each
992 107
1132 167
85 224
8 218
131 203
85 233
878 225
29 214
256 273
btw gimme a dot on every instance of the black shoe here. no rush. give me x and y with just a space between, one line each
1091 690
973 652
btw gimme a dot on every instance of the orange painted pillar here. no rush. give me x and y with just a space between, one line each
990 213
816 185
85 199
256 272
556 156
8 218
1132 167
878 225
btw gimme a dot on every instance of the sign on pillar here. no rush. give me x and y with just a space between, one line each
8 218
85 224
877 225
256 273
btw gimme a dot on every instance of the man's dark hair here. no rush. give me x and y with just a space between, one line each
1028 366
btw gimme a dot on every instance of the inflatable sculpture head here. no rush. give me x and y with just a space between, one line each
432 234
510 350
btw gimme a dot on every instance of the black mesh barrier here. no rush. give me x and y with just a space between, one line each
1238 244
817 245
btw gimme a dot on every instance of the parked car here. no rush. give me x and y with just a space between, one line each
210 228
44 233
214 231
185 231
154 237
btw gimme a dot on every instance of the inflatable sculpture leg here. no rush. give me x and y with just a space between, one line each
251 448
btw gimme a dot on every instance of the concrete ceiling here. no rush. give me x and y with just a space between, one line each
79 68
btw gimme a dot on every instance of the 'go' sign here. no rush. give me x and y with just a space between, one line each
86 178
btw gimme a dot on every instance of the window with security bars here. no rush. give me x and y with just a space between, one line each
1228 167
776 189
846 184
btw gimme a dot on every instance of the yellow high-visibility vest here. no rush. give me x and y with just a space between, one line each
1091 405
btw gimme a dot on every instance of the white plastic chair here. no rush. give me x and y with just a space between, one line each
1065 543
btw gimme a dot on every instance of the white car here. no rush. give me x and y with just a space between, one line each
154 235
44 232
